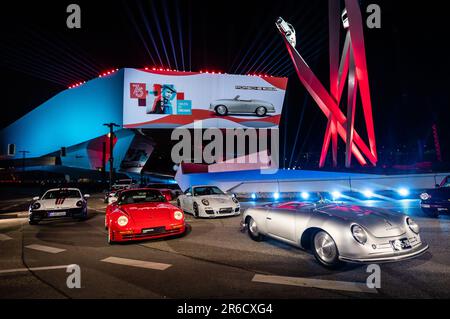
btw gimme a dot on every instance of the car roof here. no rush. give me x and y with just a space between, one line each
63 188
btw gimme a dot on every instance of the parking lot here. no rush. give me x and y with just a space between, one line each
213 260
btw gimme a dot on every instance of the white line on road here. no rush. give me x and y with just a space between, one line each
47 249
8 271
136 263
315 283
4 237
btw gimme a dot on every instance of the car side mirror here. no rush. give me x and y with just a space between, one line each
188 194
86 195
36 198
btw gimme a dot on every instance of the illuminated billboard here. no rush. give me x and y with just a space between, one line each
169 99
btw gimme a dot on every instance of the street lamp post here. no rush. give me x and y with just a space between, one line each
111 147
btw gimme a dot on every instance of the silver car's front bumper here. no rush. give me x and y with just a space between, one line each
401 255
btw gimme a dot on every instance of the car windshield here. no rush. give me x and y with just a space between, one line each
63 193
208 190
140 196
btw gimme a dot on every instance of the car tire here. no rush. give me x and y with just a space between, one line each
325 250
195 210
221 110
261 111
431 212
110 239
33 222
252 230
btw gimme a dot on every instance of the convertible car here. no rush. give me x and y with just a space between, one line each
436 201
337 233
237 105
58 203
142 214
208 201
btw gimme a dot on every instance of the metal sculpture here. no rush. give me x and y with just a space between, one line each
350 66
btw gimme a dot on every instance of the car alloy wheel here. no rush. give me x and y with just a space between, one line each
253 230
221 110
325 250
261 111
195 207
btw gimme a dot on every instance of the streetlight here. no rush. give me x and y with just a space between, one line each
111 146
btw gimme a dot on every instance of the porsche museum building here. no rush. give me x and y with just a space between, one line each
66 134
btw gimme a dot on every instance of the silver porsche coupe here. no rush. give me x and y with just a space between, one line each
237 105
337 233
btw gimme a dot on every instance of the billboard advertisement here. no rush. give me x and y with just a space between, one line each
169 99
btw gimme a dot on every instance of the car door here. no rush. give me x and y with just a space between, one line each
280 223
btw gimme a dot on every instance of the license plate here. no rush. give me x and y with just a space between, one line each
442 209
401 244
56 214
426 206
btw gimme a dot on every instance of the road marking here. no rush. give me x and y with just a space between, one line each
4 237
47 249
314 283
8 271
136 263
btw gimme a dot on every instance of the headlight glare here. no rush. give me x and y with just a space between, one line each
359 234
122 220
178 215
205 202
413 225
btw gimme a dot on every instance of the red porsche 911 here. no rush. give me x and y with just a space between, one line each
142 214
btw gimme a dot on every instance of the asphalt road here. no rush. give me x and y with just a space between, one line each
213 260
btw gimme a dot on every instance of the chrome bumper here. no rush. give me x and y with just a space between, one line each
389 258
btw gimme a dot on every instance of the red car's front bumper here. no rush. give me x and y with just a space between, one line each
147 233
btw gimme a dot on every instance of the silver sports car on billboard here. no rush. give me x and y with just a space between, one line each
237 105
337 233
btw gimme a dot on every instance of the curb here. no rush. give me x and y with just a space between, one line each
14 215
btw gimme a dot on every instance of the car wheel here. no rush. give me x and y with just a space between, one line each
261 111
252 229
33 222
221 110
325 250
195 209
431 212
110 237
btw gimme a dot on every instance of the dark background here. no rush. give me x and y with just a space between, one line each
407 60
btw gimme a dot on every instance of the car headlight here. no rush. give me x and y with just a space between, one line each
178 215
425 196
122 220
413 225
79 203
234 199
359 234
35 206
205 202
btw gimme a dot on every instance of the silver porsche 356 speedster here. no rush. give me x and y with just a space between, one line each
337 233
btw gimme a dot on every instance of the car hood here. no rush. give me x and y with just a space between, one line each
379 222
150 212
439 193
217 199
60 203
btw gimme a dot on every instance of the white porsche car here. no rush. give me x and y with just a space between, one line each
208 201
58 203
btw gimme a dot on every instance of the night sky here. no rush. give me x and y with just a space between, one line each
408 58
